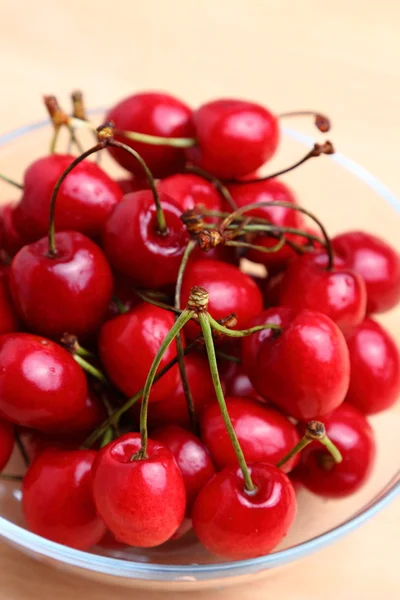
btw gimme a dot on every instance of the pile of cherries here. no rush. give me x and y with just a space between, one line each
150 383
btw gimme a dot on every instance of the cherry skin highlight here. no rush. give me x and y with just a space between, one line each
377 262
57 499
41 385
350 431
66 293
375 368
142 502
134 246
264 434
305 368
85 199
236 525
339 292
230 290
6 442
234 137
191 456
128 345
156 114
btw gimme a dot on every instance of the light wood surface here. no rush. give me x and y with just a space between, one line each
341 57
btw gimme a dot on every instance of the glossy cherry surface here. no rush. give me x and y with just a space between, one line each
191 456
375 368
234 137
10 239
377 262
66 293
133 184
189 190
304 369
230 291
57 498
9 320
264 434
85 199
339 292
128 345
350 431
271 190
41 385
143 501
174 410
134 246
157 114
6 442
237 525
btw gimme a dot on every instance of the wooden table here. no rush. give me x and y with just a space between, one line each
340 57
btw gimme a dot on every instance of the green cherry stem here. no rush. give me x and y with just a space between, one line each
217 183
229 357
107 437
315 431
11 181
180 322
209 342
93 371
179 340
241 332
322 122
156 140
265 249
150 300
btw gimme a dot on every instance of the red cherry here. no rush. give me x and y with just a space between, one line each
41 385
134 246
174 410
234 137
304 369
142 501
35 442
272 289
133 184
9 321
237 525
57 500
11 239
271 190
190 191
377 262
191 457
6 442
234 378
128 345
230 290
66 293
339 292
123 295
85 200
375 368
154 114
264 434
91 416
350 431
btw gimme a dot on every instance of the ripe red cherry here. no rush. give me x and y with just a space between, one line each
264 434
9 321
189 191
66 293
57 499
174 410
143 501
235 380
234 137
11 239
304 369
154 114
378 264
133 184
41 385
375 368
6 442
85 200
339 292
230 290
350 431
237 525
191 457
123 296
128 345
271 190
135 247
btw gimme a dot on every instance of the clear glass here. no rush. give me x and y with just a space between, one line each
345 196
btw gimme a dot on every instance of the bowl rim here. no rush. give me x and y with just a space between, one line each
116 567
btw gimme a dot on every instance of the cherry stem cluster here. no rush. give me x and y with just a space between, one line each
315 431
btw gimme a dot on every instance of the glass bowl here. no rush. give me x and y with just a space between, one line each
345 196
